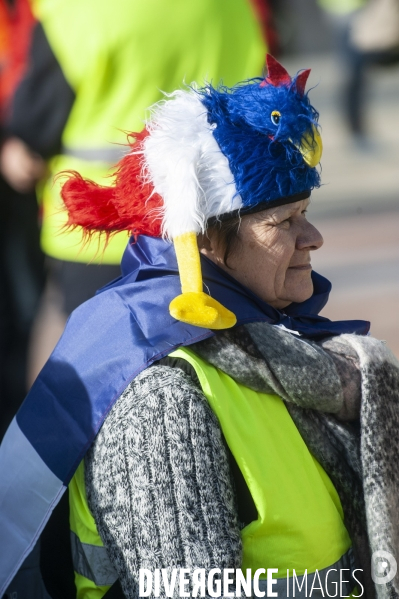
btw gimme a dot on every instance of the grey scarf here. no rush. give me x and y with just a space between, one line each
343 395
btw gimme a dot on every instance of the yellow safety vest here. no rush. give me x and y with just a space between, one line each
300 519
94 574
118 57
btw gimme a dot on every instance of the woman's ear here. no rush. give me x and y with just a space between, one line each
208 244
204 243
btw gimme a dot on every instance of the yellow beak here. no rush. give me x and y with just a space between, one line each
311 147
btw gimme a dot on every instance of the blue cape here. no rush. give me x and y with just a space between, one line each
106 343
126 327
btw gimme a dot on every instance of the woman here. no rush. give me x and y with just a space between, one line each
165 487
225 450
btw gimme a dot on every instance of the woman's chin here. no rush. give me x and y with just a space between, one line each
300 293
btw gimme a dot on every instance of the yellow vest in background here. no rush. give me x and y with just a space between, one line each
118 57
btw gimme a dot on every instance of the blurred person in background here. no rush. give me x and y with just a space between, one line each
94 68
366 34
21 261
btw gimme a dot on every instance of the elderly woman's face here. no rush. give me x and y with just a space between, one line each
272 256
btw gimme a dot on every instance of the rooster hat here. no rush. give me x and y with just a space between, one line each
207 154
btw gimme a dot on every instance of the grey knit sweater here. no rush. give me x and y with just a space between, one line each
158 478
158 481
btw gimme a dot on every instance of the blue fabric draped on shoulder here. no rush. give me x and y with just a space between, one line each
107 342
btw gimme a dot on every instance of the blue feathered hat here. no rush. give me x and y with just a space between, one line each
213 152
267 129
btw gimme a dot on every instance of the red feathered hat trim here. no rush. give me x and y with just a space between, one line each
130 205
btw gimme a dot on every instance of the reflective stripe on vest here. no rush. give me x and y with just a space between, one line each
110 155
92 562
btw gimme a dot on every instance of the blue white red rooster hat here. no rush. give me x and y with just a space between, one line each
207 154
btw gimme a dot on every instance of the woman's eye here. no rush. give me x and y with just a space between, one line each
275 117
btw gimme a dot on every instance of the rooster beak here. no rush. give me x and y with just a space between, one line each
311 147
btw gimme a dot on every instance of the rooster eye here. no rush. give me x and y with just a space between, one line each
275 117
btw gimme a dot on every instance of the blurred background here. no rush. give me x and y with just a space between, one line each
352 47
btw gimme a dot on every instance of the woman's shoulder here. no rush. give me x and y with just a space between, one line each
164 405
169 382
159 457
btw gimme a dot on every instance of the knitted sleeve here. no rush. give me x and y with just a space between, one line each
158 481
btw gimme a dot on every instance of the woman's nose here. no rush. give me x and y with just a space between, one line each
310 238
